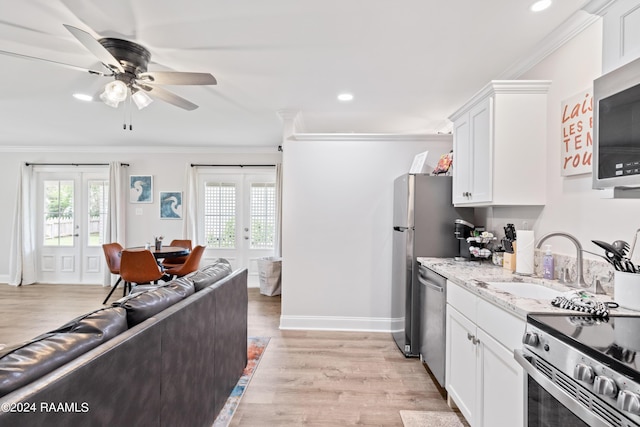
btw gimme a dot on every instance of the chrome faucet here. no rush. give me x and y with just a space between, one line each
579 282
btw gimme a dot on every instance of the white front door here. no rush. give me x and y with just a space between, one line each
238 217
71 210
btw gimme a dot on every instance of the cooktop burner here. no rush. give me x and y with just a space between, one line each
614 341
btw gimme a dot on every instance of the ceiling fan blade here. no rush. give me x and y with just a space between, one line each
170 97
96 48
62 64
177 78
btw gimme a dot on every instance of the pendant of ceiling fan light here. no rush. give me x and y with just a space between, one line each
141 99
114 93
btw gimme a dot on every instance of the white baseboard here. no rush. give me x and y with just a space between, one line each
334 323
4 278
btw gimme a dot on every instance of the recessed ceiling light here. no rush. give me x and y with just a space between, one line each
83 97
540 5
345 97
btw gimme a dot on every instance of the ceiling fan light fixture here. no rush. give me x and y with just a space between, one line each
114 92
141 99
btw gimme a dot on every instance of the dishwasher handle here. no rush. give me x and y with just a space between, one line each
430 284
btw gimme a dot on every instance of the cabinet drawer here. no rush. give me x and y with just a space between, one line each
462 300
504 327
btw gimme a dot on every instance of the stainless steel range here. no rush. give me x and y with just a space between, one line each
581 371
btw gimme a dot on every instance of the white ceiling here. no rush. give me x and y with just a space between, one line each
409 64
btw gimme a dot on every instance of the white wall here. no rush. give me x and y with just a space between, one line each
572 206
166 166
337 211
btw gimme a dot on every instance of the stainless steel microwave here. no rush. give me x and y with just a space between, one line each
616 128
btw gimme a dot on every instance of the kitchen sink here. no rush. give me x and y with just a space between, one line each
526 290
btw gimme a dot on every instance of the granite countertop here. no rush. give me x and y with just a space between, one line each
474 275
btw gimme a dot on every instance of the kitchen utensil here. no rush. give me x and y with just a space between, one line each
621 246
609 248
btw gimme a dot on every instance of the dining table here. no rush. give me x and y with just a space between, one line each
163 252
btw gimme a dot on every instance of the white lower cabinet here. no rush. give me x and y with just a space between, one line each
482 378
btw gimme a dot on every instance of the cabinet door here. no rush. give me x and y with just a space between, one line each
480 127
462 157
620 34
501 385
462 360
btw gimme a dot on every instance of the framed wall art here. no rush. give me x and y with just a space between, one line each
141 188
171 205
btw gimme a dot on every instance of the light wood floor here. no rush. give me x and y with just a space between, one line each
304 378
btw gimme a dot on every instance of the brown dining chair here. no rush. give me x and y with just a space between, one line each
190 265
139 266
112 255
177 261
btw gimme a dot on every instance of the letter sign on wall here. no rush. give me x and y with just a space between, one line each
577 134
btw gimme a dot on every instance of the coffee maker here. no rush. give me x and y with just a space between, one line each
463 229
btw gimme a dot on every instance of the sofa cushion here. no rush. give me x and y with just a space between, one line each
182 285
210 274
26 362
142 305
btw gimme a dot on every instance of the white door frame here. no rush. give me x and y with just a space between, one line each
81 262
242 255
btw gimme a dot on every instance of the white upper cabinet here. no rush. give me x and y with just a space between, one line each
620 34
499 145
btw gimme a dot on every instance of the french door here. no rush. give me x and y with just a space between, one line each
71 212
239 217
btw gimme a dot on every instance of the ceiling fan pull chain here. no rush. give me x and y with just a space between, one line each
130 111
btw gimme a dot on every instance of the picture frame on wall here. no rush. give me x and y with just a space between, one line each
171 205
141 188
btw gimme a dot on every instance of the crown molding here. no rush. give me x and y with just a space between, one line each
139 149
566 31
367 137
502 87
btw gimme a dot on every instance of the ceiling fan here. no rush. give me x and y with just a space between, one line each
127 62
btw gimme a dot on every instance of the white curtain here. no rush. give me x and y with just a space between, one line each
278 237
22 266
115 225
190 205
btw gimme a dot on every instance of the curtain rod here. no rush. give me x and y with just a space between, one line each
234 166
71 164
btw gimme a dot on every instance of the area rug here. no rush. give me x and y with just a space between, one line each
255 349
430 419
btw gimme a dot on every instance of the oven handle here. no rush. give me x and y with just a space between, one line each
561 396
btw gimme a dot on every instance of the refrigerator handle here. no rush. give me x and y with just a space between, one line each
396 228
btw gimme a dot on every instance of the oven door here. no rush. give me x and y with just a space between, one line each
547 404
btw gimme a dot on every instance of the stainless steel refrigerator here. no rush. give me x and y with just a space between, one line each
423 226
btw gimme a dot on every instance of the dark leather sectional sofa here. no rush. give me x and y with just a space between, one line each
166 356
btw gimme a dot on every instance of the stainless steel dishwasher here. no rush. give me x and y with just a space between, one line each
433 306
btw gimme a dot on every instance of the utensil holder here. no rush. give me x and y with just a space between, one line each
626 290
158 245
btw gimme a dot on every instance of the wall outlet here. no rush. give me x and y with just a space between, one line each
138 211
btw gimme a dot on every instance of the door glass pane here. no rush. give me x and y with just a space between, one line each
263 215
58 213
220 214
98 208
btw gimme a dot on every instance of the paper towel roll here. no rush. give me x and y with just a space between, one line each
524 251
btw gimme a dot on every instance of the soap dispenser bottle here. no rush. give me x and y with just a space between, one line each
547 263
